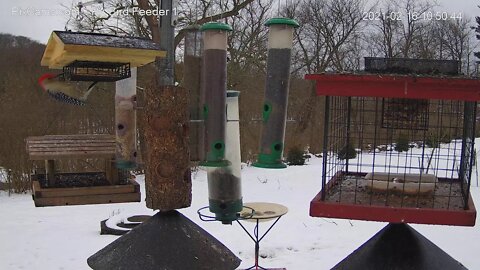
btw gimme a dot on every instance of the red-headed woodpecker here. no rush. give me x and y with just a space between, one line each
64 91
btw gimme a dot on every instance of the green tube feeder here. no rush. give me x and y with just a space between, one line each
214 84
280 43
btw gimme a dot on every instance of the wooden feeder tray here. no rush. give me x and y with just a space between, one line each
74 188
96 71
43 196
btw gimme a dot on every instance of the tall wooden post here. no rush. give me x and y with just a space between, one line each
167 175
192 79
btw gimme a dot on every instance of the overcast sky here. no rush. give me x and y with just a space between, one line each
37 18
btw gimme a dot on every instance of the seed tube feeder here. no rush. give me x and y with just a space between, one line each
280 43
215 84
125 122
224 183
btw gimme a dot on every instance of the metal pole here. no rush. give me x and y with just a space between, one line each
165 66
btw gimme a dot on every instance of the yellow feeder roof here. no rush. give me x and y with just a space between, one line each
65 47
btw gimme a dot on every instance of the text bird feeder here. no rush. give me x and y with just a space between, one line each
215 85
280 43
397 148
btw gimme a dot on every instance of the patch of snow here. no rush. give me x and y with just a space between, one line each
64 237
3 175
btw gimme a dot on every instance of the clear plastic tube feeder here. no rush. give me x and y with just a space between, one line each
125 122
224 183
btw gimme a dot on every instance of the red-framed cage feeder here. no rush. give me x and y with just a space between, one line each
397 148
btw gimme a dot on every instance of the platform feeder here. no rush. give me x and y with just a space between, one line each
280 43
215 85
397 148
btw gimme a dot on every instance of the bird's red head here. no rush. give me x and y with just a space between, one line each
44 77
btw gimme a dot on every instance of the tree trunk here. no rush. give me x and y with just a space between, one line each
167 175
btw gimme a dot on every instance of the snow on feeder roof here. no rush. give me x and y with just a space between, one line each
64 48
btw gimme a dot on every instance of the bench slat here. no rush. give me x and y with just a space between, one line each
69 155
52 147
47 142
66 146
71 149
72 137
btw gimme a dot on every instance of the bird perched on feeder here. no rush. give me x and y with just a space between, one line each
64 91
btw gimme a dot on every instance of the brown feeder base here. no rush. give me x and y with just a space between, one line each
85 195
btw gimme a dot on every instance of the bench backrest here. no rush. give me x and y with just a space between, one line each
53 147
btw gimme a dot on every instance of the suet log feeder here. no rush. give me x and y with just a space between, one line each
280 43
215 84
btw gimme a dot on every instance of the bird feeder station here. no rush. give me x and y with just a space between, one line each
397 148
97 58
215 87
280 43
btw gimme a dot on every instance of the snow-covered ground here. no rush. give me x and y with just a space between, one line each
64 237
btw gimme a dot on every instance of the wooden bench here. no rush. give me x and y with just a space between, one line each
62 147
52 148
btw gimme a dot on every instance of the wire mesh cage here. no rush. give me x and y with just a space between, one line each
397 160
96 71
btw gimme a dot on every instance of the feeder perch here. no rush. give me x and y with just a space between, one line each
215 85
280 42
97 57
427 180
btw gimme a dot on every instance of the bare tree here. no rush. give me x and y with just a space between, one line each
130 17
411 10
389 30
327 28
454 35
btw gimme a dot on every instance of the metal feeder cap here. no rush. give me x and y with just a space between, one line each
284 21
216 26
